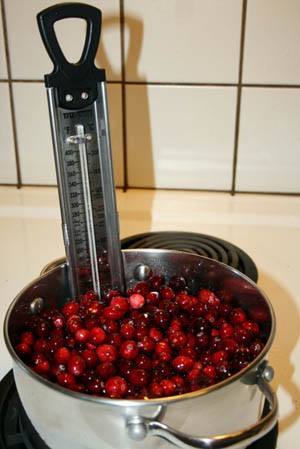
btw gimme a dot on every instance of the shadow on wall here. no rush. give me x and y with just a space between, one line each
138 154
286 337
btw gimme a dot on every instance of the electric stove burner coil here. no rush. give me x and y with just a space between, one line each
192 242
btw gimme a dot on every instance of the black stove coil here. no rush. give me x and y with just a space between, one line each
192 242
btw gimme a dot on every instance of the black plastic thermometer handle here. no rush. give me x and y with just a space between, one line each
76 83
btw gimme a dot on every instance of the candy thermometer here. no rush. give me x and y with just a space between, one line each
77 102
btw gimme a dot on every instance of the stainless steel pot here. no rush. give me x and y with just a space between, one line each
225 415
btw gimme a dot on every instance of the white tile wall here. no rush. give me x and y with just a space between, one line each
268 158
194 41
181 75
3 67
29 59
180 137
8 173
272 45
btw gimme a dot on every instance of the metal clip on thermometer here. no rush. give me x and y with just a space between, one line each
80 133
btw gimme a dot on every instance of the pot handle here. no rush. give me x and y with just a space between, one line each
138 427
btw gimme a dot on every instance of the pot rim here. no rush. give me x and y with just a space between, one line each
250 372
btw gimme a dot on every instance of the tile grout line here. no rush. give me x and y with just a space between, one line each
123 95
239 97
11 96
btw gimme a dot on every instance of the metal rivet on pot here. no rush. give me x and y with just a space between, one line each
137 429
142 272
268 373
36 306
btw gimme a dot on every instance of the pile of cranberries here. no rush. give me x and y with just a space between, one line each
157 340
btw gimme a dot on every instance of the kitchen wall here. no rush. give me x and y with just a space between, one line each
202 94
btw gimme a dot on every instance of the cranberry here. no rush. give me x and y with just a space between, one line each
94 308
156 282
23 349
178 339
71 308
96 386
168 386
237 316
116 387
27 338
152 298
156 390
82 335
129 349
163 351
107 353
162 318
58 321
113 313
142 288
40 364
182 363
127 329
166 292
74 323
76 365
106 370
226 330
136 301
62 355
177 283
146 344
65 379
97 335
139 377
143 361
90 358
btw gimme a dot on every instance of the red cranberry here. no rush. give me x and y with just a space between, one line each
177 283
143 361
237 316
82 335
62 355
23 349
142 288
166 292
90 358
127 329
156 282
74 323
162 318
106 370
139 377
116 387
168 386
27 338
226 330
129 349
146 344
182 363
76 365
97 335
96 386
163 351
69 309
136 301
107 353
65 379
156 390
178 339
